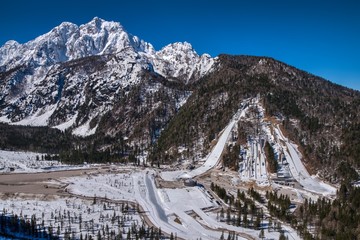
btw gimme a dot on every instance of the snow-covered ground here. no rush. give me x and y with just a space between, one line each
74 214
254 166
40 118
173 209
31 162
161 204
298 170
166 208
85 129
25 162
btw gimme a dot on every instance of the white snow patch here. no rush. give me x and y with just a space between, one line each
67 124
26 162
40 118
85 130
4 119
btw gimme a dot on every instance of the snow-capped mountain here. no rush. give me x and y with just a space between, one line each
181 61
69 41
47 81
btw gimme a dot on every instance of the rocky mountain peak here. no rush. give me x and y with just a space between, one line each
73 75
185 63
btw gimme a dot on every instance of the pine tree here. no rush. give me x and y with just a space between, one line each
282 236
262 234
222 235
94 199
257 223
228 216
238 219
245 221
270 224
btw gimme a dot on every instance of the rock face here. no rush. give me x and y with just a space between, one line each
179 60
53 79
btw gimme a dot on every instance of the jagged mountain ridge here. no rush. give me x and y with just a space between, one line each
98 37
48 80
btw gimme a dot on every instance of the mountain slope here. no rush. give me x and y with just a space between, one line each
315 113
100 82
73 74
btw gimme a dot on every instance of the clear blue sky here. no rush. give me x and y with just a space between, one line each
321 37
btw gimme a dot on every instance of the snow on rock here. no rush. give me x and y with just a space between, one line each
180 60
69 41
62 67
66 125
85 129
40 118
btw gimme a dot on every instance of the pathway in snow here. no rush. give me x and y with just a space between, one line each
159 209
214 157
151 194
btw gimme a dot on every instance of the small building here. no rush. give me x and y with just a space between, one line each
190 182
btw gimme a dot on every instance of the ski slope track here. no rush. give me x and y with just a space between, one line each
298 170
213 158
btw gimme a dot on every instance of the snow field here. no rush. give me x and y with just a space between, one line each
39 118
112 186
25 162
173 209
75 215
135 186
161 205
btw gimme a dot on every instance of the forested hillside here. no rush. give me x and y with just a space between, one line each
322 117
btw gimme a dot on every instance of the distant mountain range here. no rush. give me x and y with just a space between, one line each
46 81
99 81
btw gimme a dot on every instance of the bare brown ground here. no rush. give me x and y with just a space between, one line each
46 183
160 183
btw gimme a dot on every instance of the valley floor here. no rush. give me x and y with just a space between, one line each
190 212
